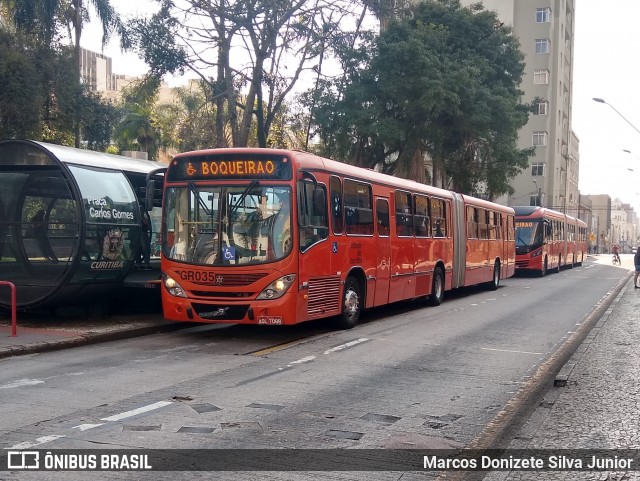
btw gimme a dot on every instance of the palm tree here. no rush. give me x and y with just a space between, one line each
76 15
44 17
36 17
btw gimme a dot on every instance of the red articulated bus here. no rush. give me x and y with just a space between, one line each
548 240
266 236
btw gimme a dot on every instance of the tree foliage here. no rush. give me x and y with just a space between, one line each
250 54
41 98
444 81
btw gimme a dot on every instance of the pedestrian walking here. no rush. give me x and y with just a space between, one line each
145 241
636 263
40 231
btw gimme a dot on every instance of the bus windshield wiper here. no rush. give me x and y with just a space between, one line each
243 195
196 192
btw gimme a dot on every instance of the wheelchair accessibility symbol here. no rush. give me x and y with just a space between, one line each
334 247
229 253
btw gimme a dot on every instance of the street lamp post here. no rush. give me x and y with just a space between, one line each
602 101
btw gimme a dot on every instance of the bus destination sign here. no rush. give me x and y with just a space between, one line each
230 167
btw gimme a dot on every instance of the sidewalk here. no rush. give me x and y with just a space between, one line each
598 407
41 334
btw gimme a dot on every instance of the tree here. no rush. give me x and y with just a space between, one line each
443 81
76 15
20 97
64 103
98 120
136 129
250 53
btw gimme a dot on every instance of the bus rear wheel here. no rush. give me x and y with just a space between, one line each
437 288
351 304
495 283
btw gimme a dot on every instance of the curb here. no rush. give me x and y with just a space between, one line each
88 338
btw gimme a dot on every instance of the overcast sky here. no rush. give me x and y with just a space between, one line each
606 65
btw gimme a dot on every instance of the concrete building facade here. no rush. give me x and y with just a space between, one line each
545 29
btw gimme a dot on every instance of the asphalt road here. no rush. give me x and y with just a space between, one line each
408 377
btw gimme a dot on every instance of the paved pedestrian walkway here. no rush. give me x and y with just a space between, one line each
598 408
48 333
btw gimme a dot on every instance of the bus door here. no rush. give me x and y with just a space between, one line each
383 252
322 291
402 284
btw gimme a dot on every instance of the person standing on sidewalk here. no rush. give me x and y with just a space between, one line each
636 263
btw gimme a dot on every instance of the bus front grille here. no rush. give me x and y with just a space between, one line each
324 296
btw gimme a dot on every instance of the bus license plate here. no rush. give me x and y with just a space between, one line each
270 320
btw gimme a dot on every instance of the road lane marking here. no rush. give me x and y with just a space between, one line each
302 361
85 427
134 412
22 382
508 350
346 345
39 441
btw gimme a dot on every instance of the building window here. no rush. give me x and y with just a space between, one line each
543 15
534 200
541 77
542 108
537 168
543 45
539 139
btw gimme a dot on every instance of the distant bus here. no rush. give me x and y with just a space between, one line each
265 236
547 240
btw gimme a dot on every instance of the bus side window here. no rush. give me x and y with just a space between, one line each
382 215
336 205
472 223
421 215
404 215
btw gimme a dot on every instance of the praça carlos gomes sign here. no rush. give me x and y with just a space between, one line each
236 166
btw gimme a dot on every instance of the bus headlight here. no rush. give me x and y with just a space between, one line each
277 288
172 286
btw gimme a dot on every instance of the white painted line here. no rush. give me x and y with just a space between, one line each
39 441
507 350
22 382
302 361
133 412
85 427
344 346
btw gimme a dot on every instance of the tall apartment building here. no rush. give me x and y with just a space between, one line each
95 71
545 29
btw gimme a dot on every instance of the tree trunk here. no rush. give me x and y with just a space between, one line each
77 24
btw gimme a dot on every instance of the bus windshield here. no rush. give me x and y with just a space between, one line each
225 225
528 233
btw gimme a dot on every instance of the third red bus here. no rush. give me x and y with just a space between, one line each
547 240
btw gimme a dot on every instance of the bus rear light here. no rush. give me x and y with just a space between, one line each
172 286
277 288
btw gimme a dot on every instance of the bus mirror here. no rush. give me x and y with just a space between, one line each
149 195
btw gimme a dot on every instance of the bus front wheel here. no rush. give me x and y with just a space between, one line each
351 304
545 266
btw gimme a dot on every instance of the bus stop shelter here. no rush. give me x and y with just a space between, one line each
70 222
